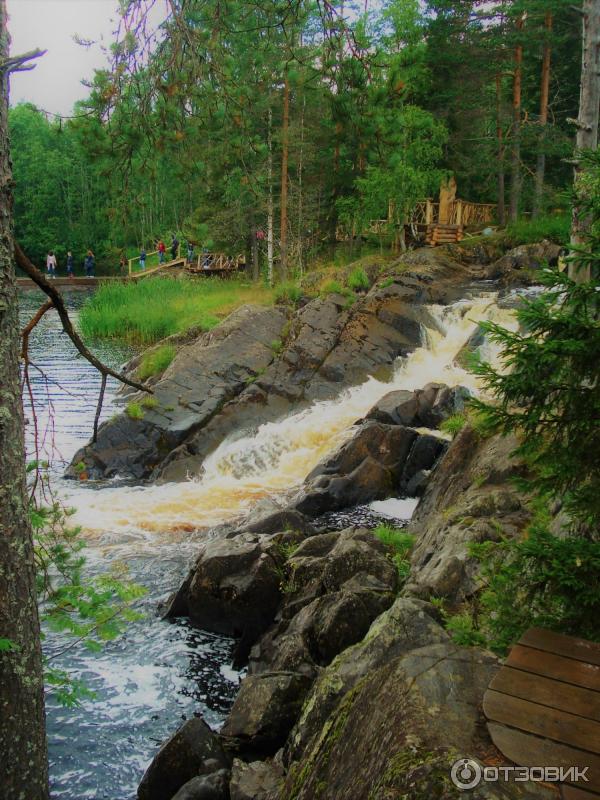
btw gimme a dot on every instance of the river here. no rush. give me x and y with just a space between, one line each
159 672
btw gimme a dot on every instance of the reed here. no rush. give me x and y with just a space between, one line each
145 312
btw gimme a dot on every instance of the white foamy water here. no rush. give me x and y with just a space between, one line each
278 455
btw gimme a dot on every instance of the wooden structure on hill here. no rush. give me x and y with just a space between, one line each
434 223
543 708
216 264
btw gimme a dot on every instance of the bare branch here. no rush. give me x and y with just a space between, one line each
58 303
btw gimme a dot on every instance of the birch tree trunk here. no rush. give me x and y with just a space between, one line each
23 756
544 88
515 178
587 123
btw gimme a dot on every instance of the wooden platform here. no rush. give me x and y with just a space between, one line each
443 234
83 282
543 707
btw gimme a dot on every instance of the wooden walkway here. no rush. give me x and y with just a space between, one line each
82 282
543 707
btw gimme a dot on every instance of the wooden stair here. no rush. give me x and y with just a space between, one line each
443 234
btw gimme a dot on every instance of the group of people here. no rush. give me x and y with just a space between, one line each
162 250
89 264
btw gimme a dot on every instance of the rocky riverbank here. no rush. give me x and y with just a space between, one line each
354 688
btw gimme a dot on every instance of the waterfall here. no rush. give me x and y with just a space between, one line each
278 455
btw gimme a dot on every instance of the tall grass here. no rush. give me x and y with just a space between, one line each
555 227
145 312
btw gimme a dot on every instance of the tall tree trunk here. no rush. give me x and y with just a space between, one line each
515 177
544 90
501 212
300 189
587 123
284 176
23 763
270 201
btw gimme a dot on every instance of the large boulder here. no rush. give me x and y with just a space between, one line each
258 780
427 407
191 751
407 625
337 584
377 461
206 374
264 711
523 259
398 731
234 587
471 497
206 787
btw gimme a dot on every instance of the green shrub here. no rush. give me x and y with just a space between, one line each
134 410
526 231
454 424
332 287
156 362
358 280
400 543
149 402
277 346
288 294
539 581
387 282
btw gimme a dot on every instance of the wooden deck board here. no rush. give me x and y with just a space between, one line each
554 666
542 690
543 707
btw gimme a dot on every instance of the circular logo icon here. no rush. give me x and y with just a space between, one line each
465 773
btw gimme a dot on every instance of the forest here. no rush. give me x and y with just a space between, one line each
310 508
294 121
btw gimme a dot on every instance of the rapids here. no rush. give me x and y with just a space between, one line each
160 672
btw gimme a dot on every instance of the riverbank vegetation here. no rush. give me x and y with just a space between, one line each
281 145
145 312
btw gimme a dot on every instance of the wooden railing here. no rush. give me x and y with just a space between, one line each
151 261
216 262
460 212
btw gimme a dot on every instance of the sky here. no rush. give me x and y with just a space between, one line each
55 84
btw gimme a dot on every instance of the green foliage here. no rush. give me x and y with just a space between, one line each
288 294
400 543
541 580
155 308
550 393
92 609
526 231
358 280
156 362
134 410
277 346
454 424
333 287
149 402
463 630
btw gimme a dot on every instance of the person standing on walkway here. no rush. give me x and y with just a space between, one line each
143 258
70 264
174 248
51 264
190 252
161 251
89 264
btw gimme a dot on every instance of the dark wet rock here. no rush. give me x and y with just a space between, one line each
418 483
233 378
469 498
234 587
206 787
337 584
205 375
377 462
192 750
407 625
427 407
418 709
264 712
258 780
527 257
